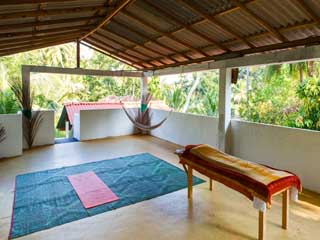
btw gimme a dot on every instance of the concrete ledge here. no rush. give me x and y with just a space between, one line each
295 150
12 145
95 124
184 128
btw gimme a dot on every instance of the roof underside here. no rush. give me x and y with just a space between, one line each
150 34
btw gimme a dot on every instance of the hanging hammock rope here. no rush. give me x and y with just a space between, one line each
142 118
142 126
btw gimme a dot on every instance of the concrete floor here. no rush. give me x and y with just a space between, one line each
221 214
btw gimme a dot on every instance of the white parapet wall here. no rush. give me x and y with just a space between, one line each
95 124
292 149
12 145
184 128
45 133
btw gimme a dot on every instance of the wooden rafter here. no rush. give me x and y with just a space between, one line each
161 33
14 45
49 12
9 27
260 21
149 40
88 40
111 56
124 12
240 53
13 2
47 31
30 47
187 27
149 49
216 22
131 48
9 42
309 11
280 29
120 52
109 16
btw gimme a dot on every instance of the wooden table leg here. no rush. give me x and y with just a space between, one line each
285 209
210 184
190 182
262 225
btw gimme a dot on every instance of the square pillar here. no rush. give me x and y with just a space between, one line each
224 109
144 86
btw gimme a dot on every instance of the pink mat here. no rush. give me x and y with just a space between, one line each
91 190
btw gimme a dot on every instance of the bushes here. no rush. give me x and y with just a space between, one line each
8 102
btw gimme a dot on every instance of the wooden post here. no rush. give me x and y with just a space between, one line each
26 79
78 54
224 108
190 182
262 225
285 209
210 184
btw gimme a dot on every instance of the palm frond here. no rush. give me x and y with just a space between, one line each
2 133
31 127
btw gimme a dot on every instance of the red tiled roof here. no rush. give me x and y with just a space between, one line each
75 107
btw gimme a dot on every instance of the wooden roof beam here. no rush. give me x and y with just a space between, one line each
88 40
216 22
109 16
49 12
309 11
14 2
187 27
111 56
161 33
14 45
149 40
260 21
138 44
11 42
35 46
117 51
9 27
240 53
124 46
52 30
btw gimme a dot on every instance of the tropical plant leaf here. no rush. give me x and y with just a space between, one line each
2 133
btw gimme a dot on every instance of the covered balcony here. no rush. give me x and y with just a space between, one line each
135 164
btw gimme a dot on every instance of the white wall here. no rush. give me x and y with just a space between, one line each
12 145
295 150
45 133
184 128
95 124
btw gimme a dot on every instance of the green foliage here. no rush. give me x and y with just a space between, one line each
286 95
8 102
309 112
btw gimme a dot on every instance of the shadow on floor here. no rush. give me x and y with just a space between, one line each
64 140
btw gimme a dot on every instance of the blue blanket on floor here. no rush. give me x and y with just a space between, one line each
46 199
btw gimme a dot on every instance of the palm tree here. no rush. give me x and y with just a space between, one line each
297 71
196 81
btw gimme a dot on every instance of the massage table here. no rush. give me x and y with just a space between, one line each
257 182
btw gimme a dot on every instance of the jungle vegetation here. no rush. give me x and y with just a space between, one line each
287 95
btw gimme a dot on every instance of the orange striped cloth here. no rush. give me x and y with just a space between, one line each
251 179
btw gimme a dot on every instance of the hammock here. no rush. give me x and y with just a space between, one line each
142 126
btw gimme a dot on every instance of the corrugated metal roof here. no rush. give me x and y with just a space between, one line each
156 34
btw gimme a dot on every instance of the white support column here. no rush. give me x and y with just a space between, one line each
224 108
144 86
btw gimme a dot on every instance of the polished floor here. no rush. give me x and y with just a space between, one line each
220 214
